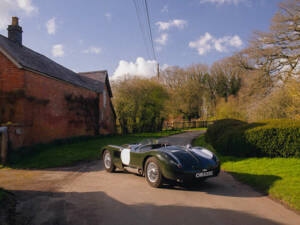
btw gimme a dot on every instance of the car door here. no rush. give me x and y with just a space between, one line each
137 156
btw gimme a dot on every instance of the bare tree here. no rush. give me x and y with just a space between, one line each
277 52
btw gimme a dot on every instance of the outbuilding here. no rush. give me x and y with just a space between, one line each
41 100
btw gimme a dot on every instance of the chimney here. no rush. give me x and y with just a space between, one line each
15 31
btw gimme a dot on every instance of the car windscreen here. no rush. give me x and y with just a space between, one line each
149 141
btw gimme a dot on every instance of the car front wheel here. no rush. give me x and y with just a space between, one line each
152 173
108 163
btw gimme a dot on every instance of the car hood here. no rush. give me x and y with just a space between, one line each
192 158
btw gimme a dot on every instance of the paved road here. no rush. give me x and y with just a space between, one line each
87 195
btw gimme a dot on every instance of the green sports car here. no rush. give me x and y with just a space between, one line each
160 162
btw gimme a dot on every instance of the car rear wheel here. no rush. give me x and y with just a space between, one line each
108 163
152 173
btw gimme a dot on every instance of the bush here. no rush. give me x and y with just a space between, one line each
273 138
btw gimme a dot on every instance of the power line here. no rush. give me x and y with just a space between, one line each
141 27
151 38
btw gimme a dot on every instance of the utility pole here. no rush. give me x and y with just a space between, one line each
157 71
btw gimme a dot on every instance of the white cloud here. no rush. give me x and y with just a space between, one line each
220 2
92 50
9 8
26 5
162 40
58 50
141 67
108 16
165 9
207 42
203 44
171 23
51 26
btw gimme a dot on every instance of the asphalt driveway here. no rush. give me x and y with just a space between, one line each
86 195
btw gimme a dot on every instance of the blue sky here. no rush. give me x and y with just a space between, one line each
105 34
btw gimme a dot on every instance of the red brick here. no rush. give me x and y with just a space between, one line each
44 123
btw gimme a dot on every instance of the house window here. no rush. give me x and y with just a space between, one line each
104 98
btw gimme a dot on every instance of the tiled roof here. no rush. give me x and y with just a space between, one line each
97 75
29 59
101 76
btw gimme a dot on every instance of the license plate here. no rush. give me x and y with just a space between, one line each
204 174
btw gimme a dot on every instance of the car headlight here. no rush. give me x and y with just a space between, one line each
203 152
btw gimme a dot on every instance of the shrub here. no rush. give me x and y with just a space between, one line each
232 108
273 138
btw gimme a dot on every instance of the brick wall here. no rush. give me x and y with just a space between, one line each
44 114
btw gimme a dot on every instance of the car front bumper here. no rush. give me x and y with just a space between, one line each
181 175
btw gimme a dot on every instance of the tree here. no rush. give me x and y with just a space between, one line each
140 104
277 52
227 78
188 91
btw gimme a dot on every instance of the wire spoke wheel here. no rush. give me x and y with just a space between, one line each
107 160
108 163
153 173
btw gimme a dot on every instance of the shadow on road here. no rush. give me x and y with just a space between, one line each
219 186
59 208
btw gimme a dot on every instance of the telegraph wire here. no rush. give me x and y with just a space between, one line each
144 33
151 38
141 27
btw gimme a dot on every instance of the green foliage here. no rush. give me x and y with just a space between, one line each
140 105
191 91
273 138
9 101
282 102
276 138
84 109
229 109
200 141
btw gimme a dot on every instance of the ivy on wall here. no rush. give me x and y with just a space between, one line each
8 101
86 110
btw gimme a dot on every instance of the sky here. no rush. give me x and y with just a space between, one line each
106 35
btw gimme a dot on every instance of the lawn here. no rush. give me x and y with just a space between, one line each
277 177
196 129
55 155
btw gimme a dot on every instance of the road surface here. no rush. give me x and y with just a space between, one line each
87 195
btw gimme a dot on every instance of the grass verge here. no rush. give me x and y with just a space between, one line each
277 177
55 155
196 129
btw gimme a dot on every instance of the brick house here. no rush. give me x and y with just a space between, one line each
41 101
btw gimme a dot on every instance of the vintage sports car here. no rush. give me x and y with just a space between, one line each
161 162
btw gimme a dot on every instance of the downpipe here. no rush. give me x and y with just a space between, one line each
4 145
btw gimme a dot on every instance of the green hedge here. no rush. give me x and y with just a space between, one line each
273 138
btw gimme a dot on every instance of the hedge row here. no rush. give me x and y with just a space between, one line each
273 138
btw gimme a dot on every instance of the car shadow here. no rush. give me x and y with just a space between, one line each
227 185
61 208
